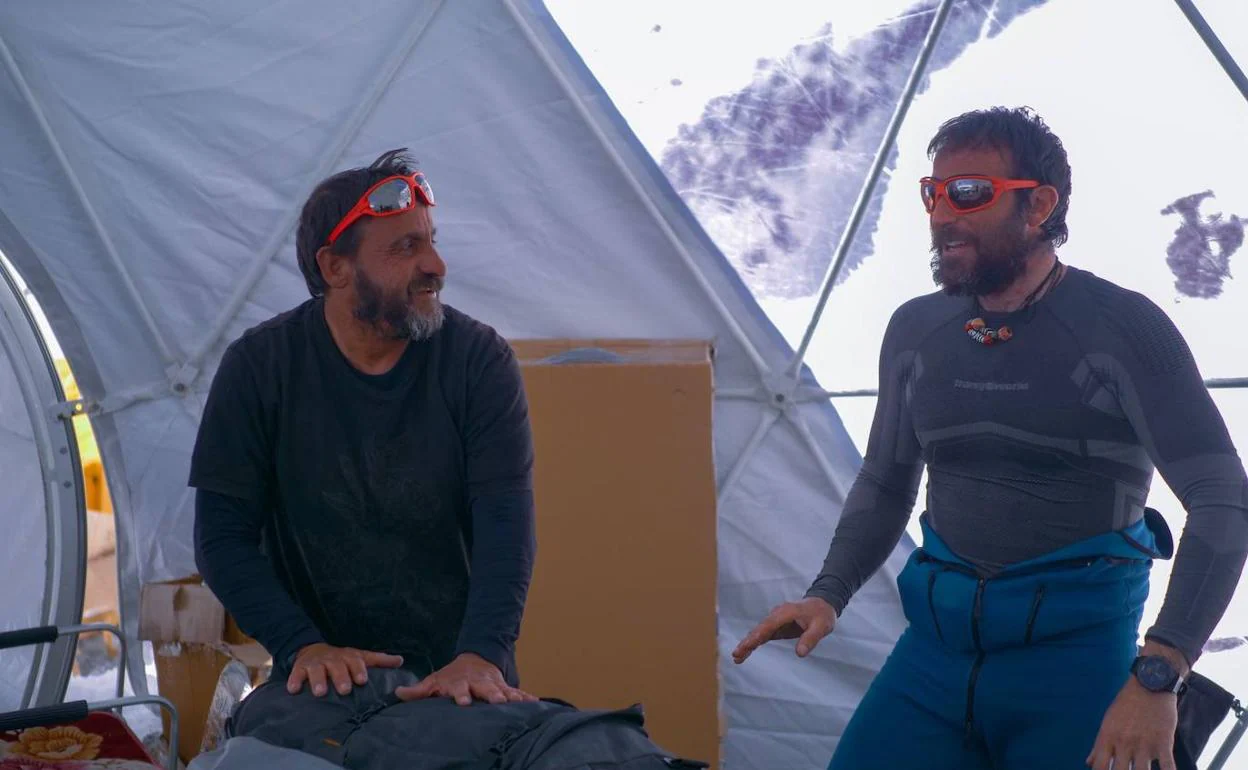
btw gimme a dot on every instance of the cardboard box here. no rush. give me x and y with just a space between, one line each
193 639
622 608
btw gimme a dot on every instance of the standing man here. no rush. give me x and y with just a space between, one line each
1041 398
364 462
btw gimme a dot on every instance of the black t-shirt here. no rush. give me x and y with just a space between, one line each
395 510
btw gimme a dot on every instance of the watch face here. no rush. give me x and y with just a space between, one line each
1155 673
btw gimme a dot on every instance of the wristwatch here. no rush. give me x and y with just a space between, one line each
1156 674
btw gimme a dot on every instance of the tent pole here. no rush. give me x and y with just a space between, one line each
1232 740
767 418
1215 45
733 325
868 187
333 154
119 267
821 457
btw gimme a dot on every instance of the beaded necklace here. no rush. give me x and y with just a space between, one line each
979 331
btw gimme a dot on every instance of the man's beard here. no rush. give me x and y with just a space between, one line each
394 314
1000 259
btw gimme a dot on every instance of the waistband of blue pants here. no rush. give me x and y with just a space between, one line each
1094 586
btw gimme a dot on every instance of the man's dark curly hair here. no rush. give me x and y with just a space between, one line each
330 202
1022 136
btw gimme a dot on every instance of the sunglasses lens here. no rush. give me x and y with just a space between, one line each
423 184
928 191
969 193
394 195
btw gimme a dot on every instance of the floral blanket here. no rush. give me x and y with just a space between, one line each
99 741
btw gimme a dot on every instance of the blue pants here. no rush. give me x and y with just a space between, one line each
1011 671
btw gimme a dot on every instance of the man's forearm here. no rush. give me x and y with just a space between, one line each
502 565
872 521
227 552
1207 569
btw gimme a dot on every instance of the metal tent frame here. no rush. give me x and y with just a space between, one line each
64 506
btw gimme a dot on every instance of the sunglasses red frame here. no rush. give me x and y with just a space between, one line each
421 191
1000 186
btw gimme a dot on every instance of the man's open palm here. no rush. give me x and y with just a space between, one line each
467 678
808 621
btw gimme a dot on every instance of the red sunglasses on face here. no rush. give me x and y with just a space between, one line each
390 196
968 192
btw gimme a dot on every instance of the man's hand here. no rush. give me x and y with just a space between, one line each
318 662
466 678
808 621
1137 729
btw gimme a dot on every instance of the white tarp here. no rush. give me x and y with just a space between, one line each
154 158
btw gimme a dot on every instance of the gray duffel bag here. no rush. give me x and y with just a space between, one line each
370 729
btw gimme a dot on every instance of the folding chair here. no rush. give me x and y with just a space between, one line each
92 719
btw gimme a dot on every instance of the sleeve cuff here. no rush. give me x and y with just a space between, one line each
494 652
826 589
285 656
1190 654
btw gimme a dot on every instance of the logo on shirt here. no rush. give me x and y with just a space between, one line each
991 386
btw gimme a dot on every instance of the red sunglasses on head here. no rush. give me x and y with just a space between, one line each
968 192
390 196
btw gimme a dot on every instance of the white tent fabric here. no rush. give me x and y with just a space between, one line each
153 164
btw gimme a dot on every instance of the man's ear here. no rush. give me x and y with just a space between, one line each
1043 202
335 268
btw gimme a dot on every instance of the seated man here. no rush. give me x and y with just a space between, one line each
364 463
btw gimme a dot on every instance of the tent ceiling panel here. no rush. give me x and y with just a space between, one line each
44 213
